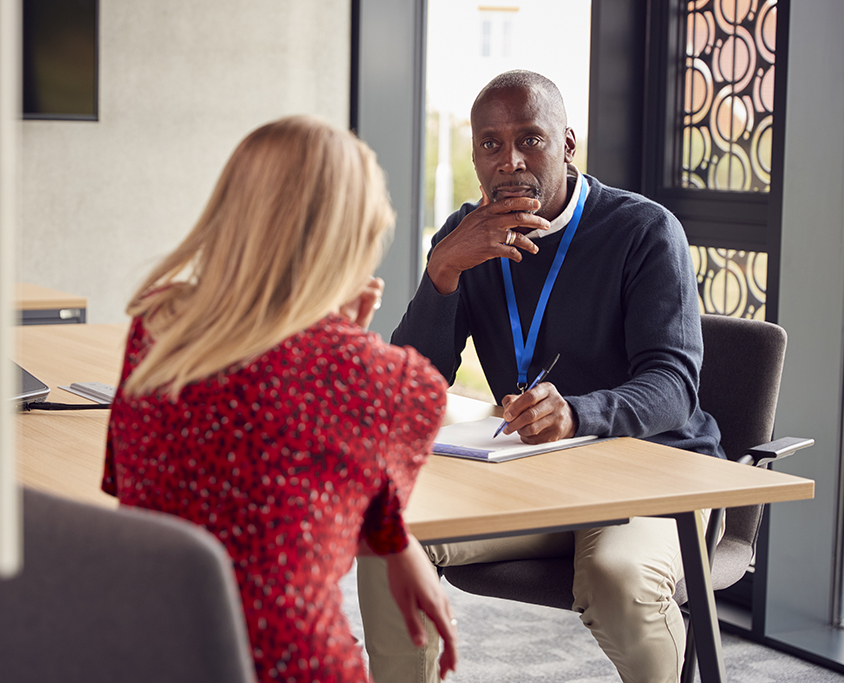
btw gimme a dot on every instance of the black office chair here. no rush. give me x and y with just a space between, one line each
120 595
739 386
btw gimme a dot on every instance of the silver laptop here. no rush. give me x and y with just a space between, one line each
30 389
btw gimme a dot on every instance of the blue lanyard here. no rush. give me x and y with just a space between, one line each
524 350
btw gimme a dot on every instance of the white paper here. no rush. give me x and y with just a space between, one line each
474 440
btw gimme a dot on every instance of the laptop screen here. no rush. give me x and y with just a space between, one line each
30 388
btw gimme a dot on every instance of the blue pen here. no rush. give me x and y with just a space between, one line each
541 376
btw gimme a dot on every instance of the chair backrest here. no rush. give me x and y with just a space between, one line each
740 379
120 595
739 386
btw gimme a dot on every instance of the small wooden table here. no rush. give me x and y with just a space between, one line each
39 305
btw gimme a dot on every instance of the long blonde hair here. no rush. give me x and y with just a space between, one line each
297 222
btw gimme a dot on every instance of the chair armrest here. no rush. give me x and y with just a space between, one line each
760 456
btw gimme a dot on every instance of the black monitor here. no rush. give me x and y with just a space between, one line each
60 45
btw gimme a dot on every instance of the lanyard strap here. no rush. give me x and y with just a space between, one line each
524 350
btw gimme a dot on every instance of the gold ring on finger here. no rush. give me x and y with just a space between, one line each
511 237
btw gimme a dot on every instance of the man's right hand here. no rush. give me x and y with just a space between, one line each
481 236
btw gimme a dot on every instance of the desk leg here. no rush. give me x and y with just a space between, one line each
702 611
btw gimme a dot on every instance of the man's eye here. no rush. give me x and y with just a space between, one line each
531 141
488 144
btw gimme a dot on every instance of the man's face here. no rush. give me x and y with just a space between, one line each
521 147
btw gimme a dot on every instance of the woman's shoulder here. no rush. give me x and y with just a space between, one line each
367 349
362 360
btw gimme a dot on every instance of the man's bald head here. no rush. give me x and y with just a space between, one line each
526 80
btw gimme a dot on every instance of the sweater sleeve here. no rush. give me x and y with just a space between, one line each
663 341
436 325
134 342
433 325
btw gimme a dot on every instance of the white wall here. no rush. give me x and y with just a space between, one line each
180 84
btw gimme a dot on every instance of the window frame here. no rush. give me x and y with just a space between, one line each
711 218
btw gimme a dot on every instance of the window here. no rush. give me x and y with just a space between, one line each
714 144
728 97
526 35
506 38
496 30
486 38
731 281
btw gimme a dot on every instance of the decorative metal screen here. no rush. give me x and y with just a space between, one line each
728 95
731 282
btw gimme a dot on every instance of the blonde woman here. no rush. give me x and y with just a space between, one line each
254 403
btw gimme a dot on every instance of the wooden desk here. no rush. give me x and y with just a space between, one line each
454 499
610 480
62 452
44 306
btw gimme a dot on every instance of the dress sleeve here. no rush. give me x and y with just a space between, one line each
134 342
418 409
109 483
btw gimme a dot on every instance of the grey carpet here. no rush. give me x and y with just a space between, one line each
509 642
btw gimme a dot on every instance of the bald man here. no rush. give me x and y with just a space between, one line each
552 261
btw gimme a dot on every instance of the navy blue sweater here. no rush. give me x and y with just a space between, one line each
623 315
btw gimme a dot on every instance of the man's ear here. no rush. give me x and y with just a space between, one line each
571 144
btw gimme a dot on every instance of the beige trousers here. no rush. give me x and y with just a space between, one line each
624 577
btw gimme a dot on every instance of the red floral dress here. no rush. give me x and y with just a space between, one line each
287 460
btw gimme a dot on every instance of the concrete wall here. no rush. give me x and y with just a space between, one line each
180 84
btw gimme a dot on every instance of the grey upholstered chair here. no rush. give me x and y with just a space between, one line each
120 595
739 386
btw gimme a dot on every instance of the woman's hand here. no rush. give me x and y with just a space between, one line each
361 309
415 586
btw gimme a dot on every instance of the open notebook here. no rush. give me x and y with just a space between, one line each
474 440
